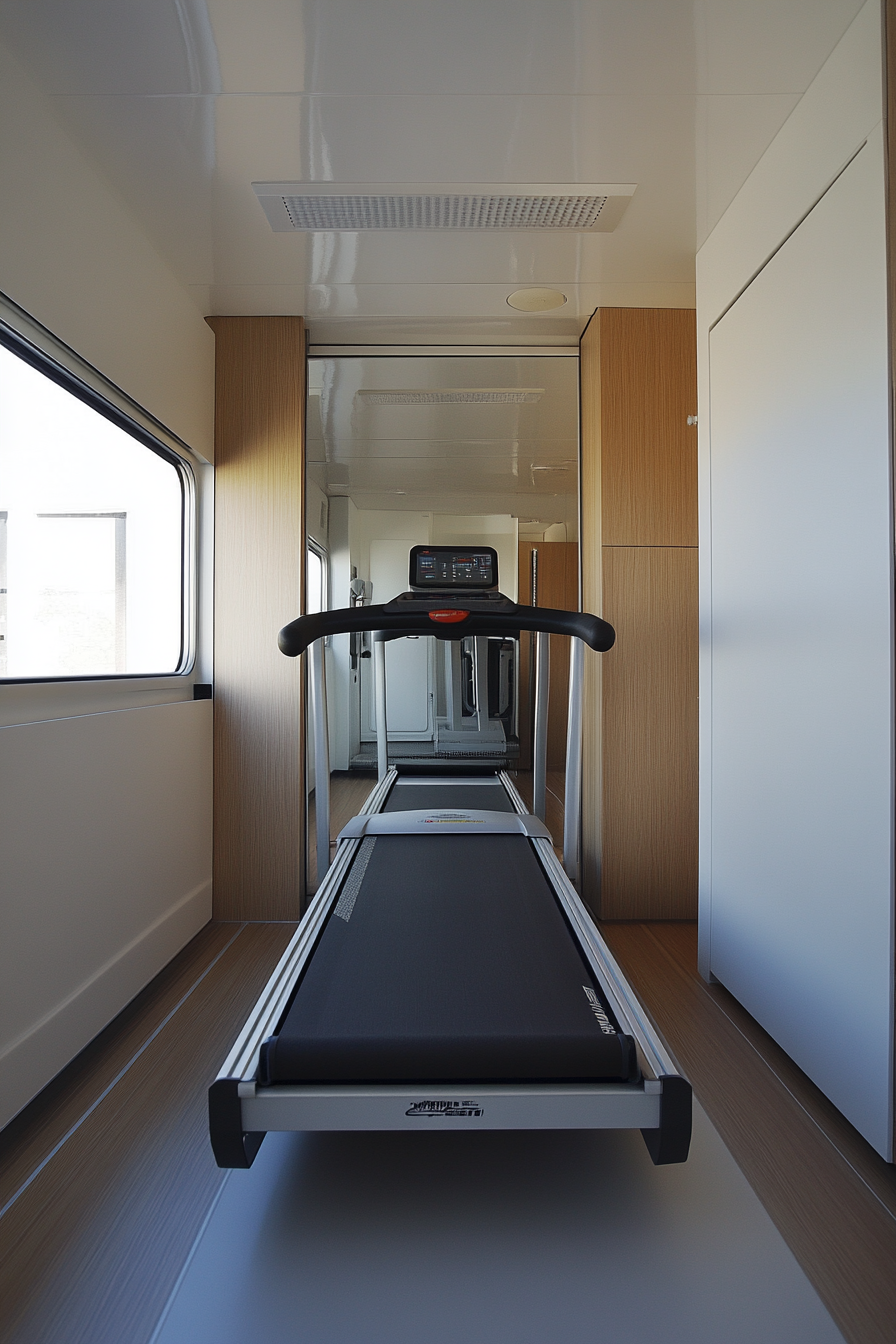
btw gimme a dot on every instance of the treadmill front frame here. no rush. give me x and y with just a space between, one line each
241 1111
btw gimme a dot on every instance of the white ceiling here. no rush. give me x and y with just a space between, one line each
184 103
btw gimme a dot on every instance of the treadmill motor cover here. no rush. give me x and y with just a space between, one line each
447 959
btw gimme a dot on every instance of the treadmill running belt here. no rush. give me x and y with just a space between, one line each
432 797
449 961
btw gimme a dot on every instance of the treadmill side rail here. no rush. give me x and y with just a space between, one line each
670 1141
655 1060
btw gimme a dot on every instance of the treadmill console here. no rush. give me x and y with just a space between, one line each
454 569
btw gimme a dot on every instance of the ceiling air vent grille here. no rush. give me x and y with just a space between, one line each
335 207
450 396
443 212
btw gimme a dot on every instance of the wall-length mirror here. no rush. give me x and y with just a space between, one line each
451 450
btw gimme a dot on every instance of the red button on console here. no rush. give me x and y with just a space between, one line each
451 615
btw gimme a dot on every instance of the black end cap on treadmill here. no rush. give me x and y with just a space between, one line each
231 1144
672 1141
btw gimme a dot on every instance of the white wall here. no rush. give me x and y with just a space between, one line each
74 258
385 525
797 827
105 831
106 786
753 63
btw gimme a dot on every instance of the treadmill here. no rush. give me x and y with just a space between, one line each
446 974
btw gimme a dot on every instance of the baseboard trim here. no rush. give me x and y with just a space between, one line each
29 1062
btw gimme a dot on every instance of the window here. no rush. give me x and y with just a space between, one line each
315 579
92 529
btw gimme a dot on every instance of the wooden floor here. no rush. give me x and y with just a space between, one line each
106 1179
831 1196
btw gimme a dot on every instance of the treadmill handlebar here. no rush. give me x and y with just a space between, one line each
395 622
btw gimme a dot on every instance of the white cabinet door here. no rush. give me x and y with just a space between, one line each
801 815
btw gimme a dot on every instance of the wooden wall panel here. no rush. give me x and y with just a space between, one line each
259 419
648 450
649 814
639 535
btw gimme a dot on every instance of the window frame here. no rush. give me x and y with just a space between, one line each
311 544
51 368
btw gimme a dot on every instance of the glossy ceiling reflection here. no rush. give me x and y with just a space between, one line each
512 453
183 104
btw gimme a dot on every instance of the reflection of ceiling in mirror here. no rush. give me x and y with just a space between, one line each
448 434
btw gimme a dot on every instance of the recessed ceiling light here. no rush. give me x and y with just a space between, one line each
536 300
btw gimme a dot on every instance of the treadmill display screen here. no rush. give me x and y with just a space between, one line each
451 567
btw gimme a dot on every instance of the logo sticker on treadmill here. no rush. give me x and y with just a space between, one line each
451 819
599 1012
446 1110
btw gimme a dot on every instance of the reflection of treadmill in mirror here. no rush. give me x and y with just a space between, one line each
475 679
